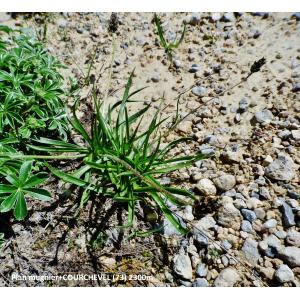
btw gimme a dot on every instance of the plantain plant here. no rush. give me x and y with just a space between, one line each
121 162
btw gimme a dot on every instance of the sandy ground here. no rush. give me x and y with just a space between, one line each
222 48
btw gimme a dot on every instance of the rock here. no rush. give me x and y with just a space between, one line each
227 278
194 68
296 15
272 223
296 135
199 91
206 187
272 245
228 17
169 229
233 156
225 182
281 169
250 250
296 87
193 19
202 270
293 238
188 213
216 16
249 214
246 226
204 223
287 215
226 245
200 282
264 116
177 63
264 192
243 105
107 262
229 216
155 78
284 274
185 126
280 234
260 14
267 272
182 266
291 255
201 239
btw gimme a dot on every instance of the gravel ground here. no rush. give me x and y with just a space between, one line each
245 227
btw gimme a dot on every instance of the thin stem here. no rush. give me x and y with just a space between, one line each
50 157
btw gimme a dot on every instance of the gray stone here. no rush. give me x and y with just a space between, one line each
216 16
155 78
169 229
273 241
201 240
225 182
229 216
243 105
249 214
250 250
284 274
199 91
227 278
272 223
264 116
246 226
202 270
226 245
206 187
193 19
182 266
296 135
177 63
296 87
296 15
194 68
228 17
264 192
281 169
200 282
287 215
293 238
291 255
204 223
280 234
186 283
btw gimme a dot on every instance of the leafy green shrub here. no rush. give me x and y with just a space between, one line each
120 162
31 89
21 184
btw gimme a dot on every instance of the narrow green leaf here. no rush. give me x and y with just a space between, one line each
9 202
20 211
25 171
39 194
